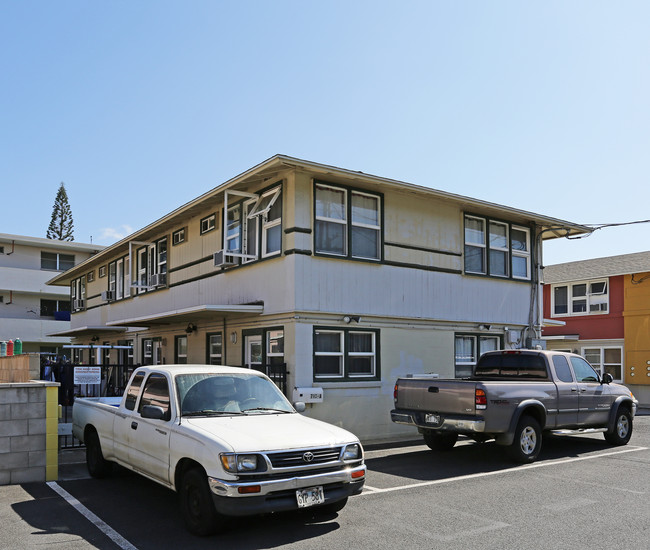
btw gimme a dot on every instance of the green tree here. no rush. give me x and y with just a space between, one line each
61 224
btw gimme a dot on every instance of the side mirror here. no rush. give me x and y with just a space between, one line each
607 378
299 406
153 412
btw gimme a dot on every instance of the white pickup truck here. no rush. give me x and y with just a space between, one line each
225 438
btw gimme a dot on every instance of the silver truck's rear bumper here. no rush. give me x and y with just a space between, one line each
455 424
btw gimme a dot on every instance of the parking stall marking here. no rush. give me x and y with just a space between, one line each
101 525
369 490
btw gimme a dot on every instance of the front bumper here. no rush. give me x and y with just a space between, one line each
459 424
278 495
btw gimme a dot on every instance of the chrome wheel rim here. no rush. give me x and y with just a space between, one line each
528 440
623 426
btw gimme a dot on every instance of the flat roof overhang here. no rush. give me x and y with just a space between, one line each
85 331
190 315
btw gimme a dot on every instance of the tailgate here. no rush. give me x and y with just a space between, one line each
442 396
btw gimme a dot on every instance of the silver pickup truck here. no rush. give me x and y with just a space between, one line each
513 397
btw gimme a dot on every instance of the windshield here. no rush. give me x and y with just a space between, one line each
227 393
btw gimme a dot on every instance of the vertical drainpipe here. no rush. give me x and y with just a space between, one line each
540 291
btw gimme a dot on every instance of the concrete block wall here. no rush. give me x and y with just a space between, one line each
28 432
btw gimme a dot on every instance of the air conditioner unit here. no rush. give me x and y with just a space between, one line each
221 259
78 304
108 295
157 280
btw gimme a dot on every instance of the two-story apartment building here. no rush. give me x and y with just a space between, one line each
349 279
603 306
29 308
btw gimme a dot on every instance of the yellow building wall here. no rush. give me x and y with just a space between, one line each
636 313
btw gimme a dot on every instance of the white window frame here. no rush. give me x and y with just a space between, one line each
500 249
375 227
482 246
327 219
268 224
249 224
589 301
216 356
209 223
340 354
601 365
521 253
477 349
178 236
372 354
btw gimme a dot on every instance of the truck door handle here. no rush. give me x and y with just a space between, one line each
574 389
134 425
433 389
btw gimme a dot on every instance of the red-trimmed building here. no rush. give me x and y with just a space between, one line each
598 308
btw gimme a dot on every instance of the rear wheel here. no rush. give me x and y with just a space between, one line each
527 442
440 441
622 428
97 465
199 514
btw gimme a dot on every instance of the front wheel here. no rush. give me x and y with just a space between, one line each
197 508
622 428
440 441
527 442
97 465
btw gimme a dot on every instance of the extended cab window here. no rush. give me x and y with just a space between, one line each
133 392
511 366
156 393
562 370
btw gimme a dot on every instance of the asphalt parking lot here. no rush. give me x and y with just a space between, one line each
581 493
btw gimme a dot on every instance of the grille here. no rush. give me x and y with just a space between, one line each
297 458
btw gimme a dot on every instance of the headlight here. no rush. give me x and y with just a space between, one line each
352 452
238 463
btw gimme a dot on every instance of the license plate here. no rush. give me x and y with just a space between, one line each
432 418
310 496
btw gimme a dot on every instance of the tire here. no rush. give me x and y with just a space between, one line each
98 466
622 428
197 507
440 441
528 441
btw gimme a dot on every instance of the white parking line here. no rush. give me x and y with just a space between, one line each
367 490
101 525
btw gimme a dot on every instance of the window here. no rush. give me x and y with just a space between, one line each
347 222
606 359
180 352
57 262
208 224
562 369
215 348
275 346
583 370
178 237
147 351
102 271
151 266
90 276
254 227
346 354
78 293
156 393
496 248
580 298
468 348
133 391
50 307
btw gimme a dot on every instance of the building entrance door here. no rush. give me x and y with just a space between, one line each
253 345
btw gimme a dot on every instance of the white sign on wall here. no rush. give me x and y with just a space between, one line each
87 375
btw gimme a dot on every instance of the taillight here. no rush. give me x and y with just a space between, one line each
480 399
395 392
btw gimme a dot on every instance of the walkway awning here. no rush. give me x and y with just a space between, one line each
190 315
85 331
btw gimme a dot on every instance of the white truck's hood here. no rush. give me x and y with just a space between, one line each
269 432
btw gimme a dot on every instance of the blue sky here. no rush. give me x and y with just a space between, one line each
140 107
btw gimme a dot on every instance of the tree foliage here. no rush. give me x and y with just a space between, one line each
61 225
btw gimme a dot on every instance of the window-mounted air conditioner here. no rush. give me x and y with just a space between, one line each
158 280
221 259
108 295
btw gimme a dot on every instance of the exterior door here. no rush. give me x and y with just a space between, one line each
568 394
253 351
594 399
